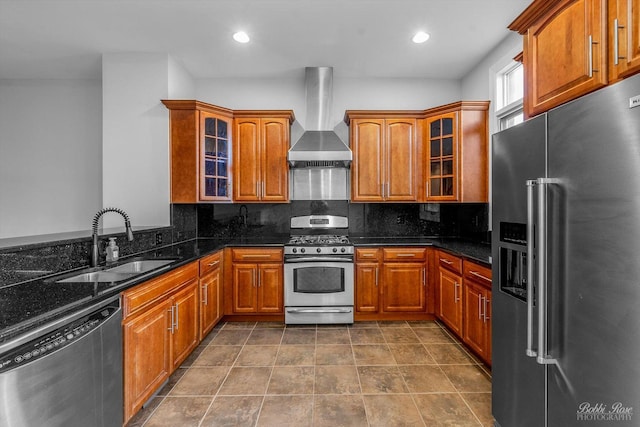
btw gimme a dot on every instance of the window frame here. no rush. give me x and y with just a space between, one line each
508 111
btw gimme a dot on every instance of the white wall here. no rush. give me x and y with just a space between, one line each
480 83
135 146
348 94
50 155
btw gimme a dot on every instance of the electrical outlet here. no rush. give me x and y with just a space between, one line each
400 219
158 238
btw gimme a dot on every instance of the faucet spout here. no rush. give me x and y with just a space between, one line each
94 235
244 211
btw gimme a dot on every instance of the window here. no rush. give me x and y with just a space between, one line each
509 96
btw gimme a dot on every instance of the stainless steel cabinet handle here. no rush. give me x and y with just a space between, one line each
480 305
616 42
475 273
177 316
530 264
426 189
424 277
406 255
264 190
455 291
246 256
211 264
591 69
487 301
205 291
376 276
446 261
170 328
258 189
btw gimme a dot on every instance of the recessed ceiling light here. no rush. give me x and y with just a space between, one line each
420 37
241 37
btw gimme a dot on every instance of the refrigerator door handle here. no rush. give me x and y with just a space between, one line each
543 353
530 252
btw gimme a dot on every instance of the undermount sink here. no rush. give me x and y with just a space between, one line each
119 273
140 266
97 276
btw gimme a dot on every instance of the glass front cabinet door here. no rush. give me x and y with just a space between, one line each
215 179
441 166
200 149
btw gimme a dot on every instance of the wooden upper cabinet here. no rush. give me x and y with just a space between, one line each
565 54
456 153
261 171
367 138
200 140
624 35
385 157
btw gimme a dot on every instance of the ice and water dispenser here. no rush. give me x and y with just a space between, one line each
513 259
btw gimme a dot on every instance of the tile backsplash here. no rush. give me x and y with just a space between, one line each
468 221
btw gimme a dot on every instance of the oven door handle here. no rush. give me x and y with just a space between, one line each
318 259
318 310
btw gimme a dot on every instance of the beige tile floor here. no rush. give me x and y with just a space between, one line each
366 374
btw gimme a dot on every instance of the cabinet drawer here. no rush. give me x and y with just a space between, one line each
368 254
404 254
256 255
478 273
450 262
210 263
141 296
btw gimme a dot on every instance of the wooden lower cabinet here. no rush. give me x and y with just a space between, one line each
257 286
211 292
147 356
450 299
464 301
477 308
160 329
390 281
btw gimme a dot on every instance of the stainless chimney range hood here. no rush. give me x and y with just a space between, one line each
319 146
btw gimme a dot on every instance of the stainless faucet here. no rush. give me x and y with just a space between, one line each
96 219
244 214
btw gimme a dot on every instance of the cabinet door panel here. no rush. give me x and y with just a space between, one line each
146 355
367 170
275 172
565 55
246 155
450 300
626 14
401 161
245 288
404 287
367 289
210 304
474 326
186 331
270 299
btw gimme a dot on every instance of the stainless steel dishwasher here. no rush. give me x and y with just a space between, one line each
66 373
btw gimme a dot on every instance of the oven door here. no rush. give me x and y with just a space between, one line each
318 282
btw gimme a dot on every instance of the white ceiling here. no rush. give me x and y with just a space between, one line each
359 38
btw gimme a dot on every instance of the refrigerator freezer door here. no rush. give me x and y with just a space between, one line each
518 155
594 270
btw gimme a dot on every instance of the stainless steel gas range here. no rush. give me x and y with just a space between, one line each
318 271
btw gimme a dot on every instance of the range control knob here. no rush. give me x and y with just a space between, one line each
295 250
335 249
302 250
343 250
318 250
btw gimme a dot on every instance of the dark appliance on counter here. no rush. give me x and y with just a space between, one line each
66 373
566 290
319 271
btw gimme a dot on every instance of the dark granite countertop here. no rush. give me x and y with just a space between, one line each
474 251
26 305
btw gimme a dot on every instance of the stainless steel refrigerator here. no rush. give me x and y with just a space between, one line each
566 264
